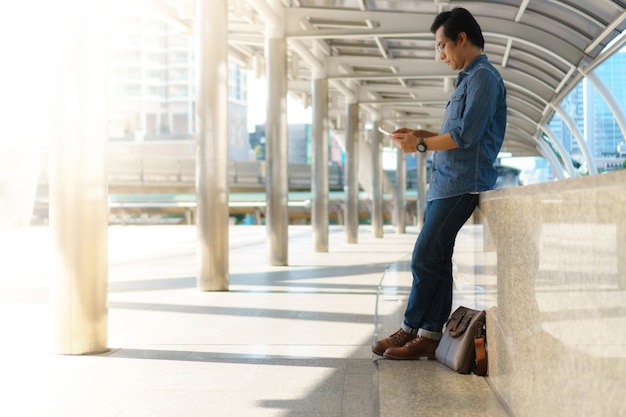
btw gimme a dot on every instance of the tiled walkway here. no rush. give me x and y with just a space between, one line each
284 341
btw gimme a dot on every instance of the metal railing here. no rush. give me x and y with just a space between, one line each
246 175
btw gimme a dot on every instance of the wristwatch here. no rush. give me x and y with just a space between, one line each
421 146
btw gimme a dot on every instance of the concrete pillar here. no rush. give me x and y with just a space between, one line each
277 210
78 182
211 33
400 206
377 180
351 184
319 183
276 151
277 187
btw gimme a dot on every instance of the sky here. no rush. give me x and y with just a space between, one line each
257 98
25 82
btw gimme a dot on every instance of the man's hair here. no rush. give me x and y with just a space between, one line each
456 21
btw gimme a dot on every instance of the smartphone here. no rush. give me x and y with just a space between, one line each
381 130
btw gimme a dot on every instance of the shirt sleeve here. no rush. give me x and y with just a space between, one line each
470 111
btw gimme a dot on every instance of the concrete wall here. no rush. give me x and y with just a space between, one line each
557 335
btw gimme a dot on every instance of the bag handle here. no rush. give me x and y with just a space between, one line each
480 348
460 323
480 351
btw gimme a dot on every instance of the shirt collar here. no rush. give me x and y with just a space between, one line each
465 71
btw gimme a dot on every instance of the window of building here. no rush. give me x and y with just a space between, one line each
593 117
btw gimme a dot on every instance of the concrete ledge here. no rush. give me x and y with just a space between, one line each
557 336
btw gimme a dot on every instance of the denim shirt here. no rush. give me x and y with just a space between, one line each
475 117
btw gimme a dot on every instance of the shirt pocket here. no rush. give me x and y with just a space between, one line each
455 106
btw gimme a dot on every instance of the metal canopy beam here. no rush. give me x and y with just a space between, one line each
351 24
384 58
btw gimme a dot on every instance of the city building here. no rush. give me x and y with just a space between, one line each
152 79
594 119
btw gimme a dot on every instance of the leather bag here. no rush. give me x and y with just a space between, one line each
463 345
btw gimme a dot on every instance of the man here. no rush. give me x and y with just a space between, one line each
464 153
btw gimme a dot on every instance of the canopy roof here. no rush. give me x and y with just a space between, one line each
381 54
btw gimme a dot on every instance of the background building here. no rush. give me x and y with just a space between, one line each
593 117
152 79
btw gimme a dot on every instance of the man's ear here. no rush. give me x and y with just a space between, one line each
462 39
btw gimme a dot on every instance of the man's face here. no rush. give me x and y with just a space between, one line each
448 50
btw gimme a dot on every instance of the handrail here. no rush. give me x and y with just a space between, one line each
124 170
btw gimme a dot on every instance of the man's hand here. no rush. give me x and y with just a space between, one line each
405 140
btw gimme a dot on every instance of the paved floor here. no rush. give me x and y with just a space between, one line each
284 341
428 388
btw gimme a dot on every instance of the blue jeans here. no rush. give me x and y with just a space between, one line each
430 300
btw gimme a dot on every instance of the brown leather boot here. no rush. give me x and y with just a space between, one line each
414 349
398 339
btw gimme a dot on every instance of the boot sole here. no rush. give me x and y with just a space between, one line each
428 356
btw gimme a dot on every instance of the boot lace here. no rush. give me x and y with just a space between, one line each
412 342
399 336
